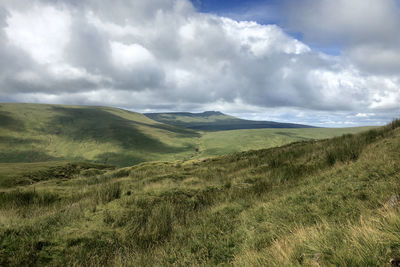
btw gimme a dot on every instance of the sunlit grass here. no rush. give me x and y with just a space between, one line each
315 203
39 133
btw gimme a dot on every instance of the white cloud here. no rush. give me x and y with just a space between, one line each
130 55
163 55
262 40
364 115
42 31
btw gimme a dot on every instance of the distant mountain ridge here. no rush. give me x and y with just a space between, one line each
216 121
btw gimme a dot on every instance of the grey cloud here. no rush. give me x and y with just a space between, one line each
376 58
88 47
16 63
285 83
137 11
3 16
341 21
12 60
368 31
176 58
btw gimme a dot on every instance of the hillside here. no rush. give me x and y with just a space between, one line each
39 133
34 133
218 143
216 121
331 202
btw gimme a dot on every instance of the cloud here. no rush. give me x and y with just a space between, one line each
364 115
163 55
30 30
367 30
356 21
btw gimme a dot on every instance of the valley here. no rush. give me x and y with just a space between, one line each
39 133
99 186
199 133
313 203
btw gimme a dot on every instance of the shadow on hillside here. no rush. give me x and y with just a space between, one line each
183 132
9 140
25 156
84 124
118 159
10 123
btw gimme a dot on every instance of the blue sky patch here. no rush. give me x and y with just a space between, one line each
262 11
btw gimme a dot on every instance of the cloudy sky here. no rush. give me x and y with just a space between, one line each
326 63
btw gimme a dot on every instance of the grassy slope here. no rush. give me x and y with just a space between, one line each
225 142
317 203
19 174
33 133
216 121
187 117
36 133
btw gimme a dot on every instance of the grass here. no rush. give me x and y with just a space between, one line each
216 121
14 174
186 117
332 202
37 133
226 142
43 133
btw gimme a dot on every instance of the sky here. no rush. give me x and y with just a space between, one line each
329 63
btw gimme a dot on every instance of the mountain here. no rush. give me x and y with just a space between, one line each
216 121
332 202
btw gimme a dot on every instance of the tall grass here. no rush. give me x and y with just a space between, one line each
349 147
108 192
314 203
361 243
19 198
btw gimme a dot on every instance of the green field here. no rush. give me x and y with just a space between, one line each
332 202
38 133
226 142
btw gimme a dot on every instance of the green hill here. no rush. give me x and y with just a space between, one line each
39 133
217 143
332 202
216 121
33 133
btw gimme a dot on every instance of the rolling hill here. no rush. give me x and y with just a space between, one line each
218 143
34 133
332 202
40 133
216 121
